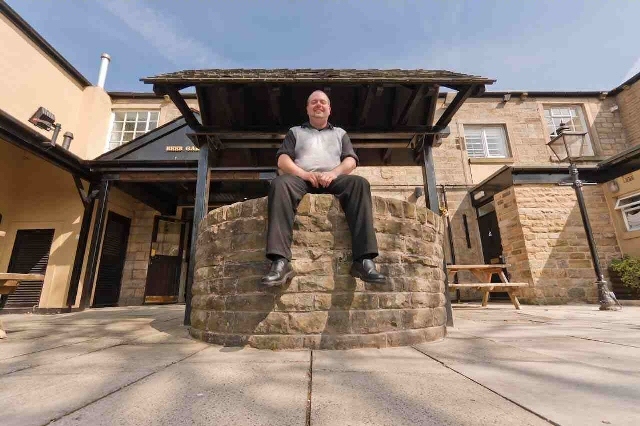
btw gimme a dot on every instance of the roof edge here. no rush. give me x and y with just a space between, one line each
35 37
634 79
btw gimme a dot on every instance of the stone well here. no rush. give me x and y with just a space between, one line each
323 307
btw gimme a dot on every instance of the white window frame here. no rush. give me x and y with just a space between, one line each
483 136
568 121
136 133
626 205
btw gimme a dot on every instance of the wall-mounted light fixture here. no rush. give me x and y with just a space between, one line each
44 119
418 191
506 97
613 186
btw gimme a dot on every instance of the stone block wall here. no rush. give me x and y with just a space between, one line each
322 306
629 103
134 275
544 240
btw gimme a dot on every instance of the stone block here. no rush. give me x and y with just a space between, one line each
276 342
308 322
293 302
221 322
395 300
208 302
250 302
322 301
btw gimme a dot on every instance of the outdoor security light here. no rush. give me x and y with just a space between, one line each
569 145
44 119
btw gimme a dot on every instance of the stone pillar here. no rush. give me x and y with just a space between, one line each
544 241
323 306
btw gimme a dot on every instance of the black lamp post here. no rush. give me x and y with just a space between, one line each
568 146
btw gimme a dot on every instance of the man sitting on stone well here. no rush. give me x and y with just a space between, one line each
318 158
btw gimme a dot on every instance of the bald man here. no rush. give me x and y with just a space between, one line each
318 158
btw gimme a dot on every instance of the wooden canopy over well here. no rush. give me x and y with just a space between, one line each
245 113
390 116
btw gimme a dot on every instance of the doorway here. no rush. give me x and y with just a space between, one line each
491 242
114 252
165 260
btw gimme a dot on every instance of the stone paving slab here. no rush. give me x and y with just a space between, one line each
571 364
401 386
580 368
225 387
38 395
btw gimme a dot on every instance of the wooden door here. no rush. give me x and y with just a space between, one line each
165 260
112 258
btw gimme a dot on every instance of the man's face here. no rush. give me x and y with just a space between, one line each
318 106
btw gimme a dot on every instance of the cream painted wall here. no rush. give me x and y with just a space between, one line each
31 79
40 196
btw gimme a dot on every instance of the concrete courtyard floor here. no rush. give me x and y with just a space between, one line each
568 365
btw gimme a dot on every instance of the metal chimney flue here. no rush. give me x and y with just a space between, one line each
104 65
66 140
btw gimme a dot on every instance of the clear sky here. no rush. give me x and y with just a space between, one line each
523 44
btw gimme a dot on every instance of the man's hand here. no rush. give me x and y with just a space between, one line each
326 178
313 178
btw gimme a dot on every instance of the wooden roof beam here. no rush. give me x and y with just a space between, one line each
182 106
411 105
373 91
274 102
457 102
222 97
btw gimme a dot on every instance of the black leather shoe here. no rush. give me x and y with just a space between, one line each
279 273
366 271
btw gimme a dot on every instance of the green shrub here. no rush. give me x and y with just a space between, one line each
629 270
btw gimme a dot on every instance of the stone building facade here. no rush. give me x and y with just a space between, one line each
491 135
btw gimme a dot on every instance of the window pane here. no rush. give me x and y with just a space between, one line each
473 141
130 116
117 127
127 136
496 144
633 218
115 136
153 125
153 116
119 116
141 127
129 127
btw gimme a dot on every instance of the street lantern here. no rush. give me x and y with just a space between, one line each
569 146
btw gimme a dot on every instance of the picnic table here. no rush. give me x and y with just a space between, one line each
8 284
483 273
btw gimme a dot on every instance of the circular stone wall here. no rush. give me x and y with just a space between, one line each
323 307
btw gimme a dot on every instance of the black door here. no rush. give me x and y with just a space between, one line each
114 252
30 255
490 237
163 275
491 243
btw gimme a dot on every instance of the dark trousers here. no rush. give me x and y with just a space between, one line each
354 194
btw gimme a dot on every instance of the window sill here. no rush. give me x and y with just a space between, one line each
591 159
629 235
505 160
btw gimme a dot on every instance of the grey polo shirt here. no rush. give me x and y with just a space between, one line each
316 150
